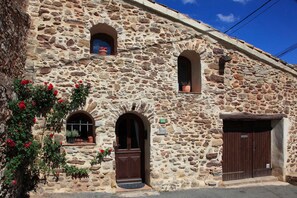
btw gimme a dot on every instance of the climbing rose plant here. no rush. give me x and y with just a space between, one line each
26 157
101 154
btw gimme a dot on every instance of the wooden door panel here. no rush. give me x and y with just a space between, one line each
262 154
135 167
246 155
129 166
237 162
122 163
246 149
129 155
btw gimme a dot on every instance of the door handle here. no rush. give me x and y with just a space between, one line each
115 145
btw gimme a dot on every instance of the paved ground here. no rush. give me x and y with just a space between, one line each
260 191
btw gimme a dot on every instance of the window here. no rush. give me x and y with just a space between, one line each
103 36
184 72
189 72
102 40
80 126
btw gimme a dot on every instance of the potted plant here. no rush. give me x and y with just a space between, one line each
71 135
102 50
90 139
186 86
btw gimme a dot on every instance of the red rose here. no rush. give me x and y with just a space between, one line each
77 86
10 143
55 92
110 150
13 182
51 135
50 87
22 105
27 145
101 151
25 82
61 143
80 81
34 120
45 83
60 100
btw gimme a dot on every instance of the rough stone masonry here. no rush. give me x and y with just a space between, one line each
14 25
143 74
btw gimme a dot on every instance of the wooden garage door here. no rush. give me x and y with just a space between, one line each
246 149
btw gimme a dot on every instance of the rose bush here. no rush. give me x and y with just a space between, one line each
26 158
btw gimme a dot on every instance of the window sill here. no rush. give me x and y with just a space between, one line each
183 92
79 144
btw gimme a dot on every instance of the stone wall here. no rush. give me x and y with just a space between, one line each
14 24
142 78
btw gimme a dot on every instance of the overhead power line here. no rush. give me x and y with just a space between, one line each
255 17
287 50
239 22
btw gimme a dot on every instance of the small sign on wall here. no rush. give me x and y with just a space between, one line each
98 123
162 131
162 120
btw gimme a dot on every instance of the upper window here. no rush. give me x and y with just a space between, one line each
103 38
189 72
184 73
80 128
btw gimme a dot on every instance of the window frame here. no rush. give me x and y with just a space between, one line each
76 119
105 38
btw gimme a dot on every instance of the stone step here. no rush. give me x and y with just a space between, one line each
251 181
292 179
139 192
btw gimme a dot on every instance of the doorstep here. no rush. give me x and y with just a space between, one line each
256 181
145 191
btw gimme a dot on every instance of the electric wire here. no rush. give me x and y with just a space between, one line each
287 50
255 17
239 22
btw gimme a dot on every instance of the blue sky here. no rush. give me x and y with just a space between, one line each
272 31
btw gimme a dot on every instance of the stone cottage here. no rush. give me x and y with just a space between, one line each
181 104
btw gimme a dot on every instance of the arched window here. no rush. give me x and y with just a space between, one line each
189 71
184 72
102 40
103 36
80 127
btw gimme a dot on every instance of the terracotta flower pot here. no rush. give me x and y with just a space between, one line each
186 88
102 51
90 139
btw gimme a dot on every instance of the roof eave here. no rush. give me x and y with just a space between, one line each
207 30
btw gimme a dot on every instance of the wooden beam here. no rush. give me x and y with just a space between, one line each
250 116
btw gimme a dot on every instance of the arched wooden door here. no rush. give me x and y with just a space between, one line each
129 151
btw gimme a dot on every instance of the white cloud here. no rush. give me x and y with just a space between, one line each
189 1
242 1
227 18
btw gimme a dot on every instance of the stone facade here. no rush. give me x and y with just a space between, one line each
142 78
14 25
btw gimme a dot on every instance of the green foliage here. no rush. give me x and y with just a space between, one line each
62 108
101 155
52 157
25 157
75 172
79 95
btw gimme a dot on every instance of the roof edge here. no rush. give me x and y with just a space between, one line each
204 28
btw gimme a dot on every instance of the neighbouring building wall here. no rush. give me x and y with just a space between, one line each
255 87
142 78
14 24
